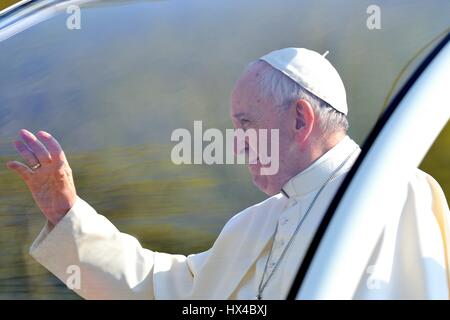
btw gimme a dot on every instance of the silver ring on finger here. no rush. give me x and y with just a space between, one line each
36 166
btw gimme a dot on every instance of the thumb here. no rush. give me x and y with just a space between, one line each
21 169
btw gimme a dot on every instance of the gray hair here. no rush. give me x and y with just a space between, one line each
284 91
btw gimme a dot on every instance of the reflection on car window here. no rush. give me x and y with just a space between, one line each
114 92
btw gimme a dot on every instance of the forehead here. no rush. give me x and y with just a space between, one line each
246 95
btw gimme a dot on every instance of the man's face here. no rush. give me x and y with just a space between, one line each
251 110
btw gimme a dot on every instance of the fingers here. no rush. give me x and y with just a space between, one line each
36 147
45 150
53 146
26 153
20 168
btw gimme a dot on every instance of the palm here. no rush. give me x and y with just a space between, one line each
51 185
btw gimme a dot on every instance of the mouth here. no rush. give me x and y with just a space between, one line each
254 168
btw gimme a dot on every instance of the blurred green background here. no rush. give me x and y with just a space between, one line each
114 91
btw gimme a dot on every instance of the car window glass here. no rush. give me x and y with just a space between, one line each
114 91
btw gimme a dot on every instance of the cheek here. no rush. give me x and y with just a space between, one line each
287 143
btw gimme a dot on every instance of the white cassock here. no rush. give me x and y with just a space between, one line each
410 256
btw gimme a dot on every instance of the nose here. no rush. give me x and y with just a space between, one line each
239 147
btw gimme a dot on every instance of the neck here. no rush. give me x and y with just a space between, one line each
315 149
319 147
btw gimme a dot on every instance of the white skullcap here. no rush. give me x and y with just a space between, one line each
313 72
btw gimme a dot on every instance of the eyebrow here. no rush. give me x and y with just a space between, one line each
241 115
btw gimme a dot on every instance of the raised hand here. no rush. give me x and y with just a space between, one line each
46 173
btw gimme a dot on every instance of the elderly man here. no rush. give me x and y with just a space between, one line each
296 91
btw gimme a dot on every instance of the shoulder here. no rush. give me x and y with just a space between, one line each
260 212
243 232
424 184
420 180
254 221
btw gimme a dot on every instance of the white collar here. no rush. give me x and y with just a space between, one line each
313 177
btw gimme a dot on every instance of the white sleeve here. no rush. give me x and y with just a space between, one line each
110 264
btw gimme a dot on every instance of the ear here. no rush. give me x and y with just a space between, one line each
304 120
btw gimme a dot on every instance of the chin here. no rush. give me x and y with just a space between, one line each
263 184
